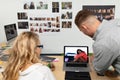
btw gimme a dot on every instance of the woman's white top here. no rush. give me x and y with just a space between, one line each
37 72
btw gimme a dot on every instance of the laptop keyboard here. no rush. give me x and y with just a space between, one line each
77 75
76 65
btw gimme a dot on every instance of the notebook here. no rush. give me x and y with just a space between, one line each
76 59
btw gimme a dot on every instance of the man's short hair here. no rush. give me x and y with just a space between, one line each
82 16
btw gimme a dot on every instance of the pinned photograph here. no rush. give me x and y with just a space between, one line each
22 15
42 5
23 25
30 5
66 24
66 5
55 7
66 15
26 6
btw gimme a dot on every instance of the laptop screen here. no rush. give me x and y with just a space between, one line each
76 54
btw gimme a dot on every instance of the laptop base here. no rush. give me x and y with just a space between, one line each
76 69
77 75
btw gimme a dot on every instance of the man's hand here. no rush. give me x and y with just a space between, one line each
111 73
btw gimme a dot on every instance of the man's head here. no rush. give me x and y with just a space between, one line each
87 22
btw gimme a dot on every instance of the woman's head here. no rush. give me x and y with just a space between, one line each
79 51
23 52
25 47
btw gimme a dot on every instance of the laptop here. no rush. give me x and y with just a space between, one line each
71 54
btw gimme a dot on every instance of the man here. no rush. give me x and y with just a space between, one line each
106 35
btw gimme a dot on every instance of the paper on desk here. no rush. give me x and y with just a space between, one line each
56 60
1 69
111 68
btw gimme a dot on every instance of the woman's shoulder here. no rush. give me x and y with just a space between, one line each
37 67
35 70
41 66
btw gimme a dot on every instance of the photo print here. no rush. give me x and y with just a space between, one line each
52 19
51 30
66 24
66 15
10 31
26 6
36 29
55 7
40 30
66 5
34 24
30 5
47 30
102 12
23 25
58 19
42 5
22 15
39 18
53 25
49 24
55 30
57 25
48 18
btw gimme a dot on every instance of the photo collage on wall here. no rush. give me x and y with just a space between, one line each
45 24
106 12
60 16
22 24
66 14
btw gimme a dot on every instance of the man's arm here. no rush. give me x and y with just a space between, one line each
103 58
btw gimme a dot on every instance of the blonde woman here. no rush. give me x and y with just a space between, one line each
24 63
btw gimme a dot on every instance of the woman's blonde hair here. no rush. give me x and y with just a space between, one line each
22 53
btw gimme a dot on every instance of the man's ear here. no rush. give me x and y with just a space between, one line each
83 26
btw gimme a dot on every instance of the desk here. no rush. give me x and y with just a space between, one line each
60 74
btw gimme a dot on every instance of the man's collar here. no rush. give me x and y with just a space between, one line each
98 29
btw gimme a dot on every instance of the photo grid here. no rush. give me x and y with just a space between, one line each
60 17
66 15
106 12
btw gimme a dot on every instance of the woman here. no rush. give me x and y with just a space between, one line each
81 56
23 63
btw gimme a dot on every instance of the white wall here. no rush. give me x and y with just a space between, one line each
7 15
53 43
